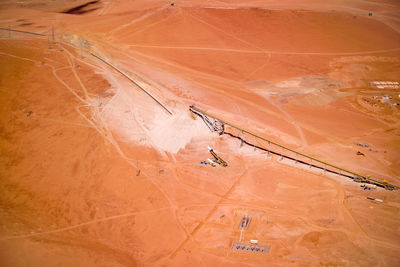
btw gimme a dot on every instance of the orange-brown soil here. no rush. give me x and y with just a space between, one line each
93 172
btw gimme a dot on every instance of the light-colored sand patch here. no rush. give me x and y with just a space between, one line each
137 119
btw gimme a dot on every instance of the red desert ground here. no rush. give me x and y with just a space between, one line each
102 163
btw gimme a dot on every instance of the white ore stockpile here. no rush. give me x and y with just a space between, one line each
137 119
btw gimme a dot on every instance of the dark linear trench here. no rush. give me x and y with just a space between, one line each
325 168
270 151
287 157
79 10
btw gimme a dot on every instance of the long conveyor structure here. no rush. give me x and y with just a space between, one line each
218 125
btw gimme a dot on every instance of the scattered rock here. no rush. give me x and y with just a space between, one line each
360 153
362 144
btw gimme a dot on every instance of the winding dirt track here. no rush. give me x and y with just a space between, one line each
270 51
169 209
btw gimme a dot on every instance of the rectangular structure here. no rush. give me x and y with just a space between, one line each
253 248
245 223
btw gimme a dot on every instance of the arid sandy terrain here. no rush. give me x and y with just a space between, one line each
95 172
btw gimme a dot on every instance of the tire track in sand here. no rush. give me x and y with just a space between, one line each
210 213
263 51
292 121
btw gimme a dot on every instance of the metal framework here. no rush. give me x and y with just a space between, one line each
217 124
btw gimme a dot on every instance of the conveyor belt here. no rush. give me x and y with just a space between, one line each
326 166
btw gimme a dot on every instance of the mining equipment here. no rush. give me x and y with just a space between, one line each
216 124
368 186
211 162
252 247
217 158
369 180
376 199
245 222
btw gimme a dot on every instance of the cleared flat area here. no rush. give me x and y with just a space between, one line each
93 172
